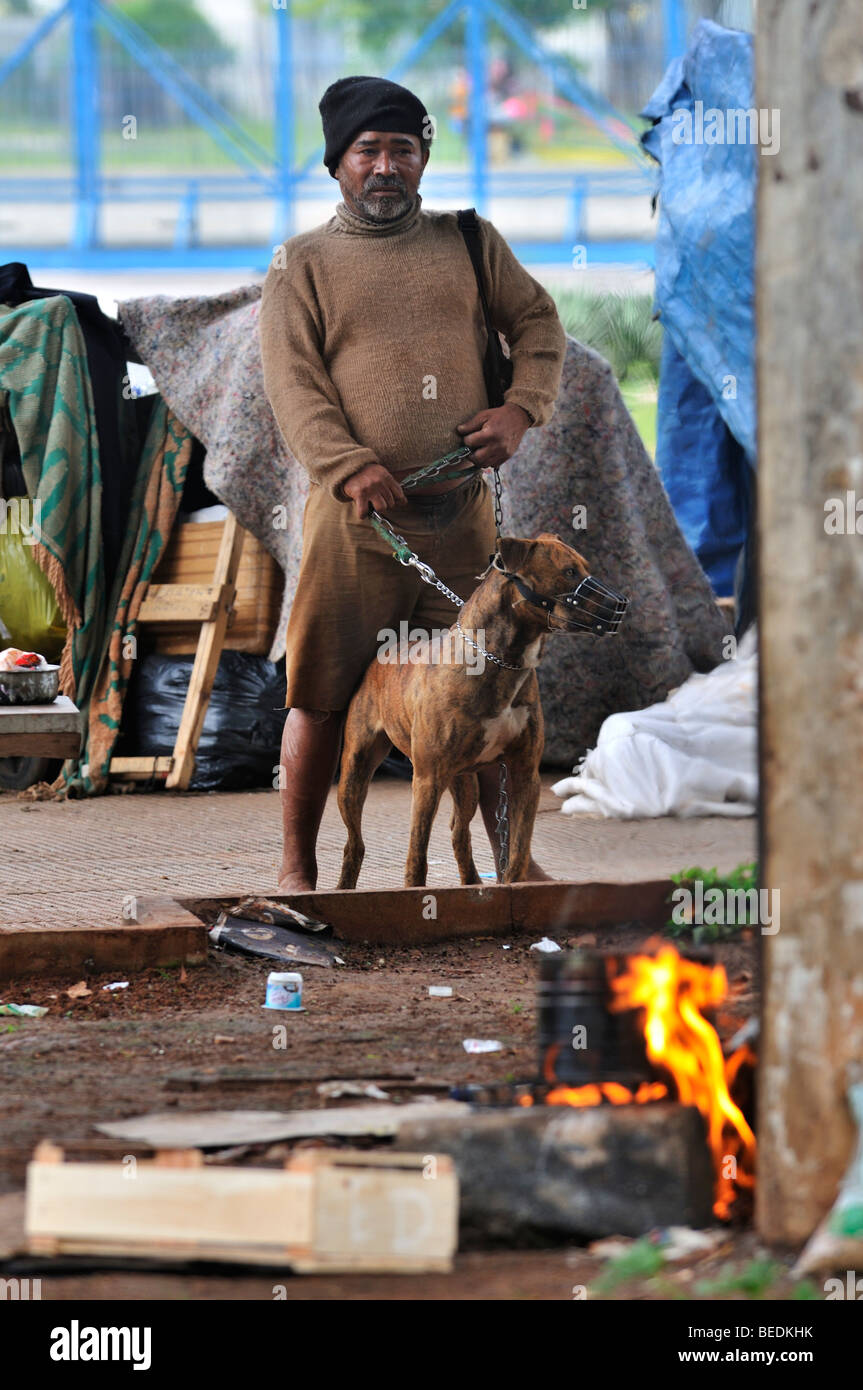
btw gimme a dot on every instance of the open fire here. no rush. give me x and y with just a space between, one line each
670 994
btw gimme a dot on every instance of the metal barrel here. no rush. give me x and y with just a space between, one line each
580 1040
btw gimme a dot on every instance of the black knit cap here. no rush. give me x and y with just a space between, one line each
367 103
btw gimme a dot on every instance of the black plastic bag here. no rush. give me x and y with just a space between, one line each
242 734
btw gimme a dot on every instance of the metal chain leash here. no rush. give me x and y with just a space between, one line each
427 573
498 660
406 556
501 820
439 468
498 502
501 815
403 553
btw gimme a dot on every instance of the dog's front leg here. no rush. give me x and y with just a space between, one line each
523 799
427 792
465 799
364 750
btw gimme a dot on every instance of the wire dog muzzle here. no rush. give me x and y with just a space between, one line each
596 607
593 606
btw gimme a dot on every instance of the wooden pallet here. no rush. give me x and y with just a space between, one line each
207 604
326 1211
189 560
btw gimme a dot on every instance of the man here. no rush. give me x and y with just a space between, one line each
372 340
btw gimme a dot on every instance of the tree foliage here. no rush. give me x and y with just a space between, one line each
178 26
378 23
620 327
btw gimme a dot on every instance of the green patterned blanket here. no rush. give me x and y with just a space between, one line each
46 386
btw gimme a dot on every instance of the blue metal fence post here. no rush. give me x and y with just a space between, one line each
475 41
85 107
673 30
284 109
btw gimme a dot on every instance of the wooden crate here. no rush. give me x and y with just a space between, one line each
40 731
327 1210
190 558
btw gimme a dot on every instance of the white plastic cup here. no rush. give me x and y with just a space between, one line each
285 991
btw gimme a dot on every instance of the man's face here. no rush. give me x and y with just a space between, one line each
379 174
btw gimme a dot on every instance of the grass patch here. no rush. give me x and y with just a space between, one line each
643 1260
715 888
642 406
622 329
753 1280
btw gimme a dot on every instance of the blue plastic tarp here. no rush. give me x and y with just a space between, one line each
704 471
705 245
705 142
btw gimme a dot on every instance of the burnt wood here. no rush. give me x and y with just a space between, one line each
553 1171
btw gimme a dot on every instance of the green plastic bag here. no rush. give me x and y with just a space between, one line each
846 1218
836 1248
29 611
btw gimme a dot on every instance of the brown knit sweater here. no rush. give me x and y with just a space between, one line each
372 339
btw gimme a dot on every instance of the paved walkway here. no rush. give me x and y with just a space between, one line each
72 862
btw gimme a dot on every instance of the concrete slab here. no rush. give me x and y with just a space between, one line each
87 862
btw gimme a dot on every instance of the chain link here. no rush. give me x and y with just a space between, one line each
501 820
490 656
400 547
440 466
427 573
406 556
498 502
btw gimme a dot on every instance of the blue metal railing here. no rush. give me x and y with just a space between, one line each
262 175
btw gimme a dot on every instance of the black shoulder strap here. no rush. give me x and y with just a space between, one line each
496 370
468 225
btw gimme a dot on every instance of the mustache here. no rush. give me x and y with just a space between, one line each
378 182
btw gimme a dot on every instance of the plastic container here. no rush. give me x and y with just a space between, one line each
285 991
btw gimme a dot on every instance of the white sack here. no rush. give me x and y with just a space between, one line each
694 754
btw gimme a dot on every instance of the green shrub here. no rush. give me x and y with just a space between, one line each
744 877
619 326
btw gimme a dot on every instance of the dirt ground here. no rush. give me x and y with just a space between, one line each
198 1039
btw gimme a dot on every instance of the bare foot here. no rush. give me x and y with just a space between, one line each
296 883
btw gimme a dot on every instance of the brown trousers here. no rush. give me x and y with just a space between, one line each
351 587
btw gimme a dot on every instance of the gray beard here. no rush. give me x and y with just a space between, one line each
384 209
381 209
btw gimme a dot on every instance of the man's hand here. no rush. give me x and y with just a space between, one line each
374 485
494 435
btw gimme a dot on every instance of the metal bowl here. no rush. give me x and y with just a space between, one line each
25 687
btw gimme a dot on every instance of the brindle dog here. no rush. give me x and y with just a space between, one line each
451 716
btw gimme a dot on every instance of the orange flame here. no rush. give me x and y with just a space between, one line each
673 992
611 1091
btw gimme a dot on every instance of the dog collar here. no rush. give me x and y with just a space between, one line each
490 656
594 605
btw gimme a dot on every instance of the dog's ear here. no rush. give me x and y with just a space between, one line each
513 552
